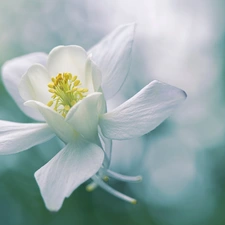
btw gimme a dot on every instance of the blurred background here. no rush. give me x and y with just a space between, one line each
182 162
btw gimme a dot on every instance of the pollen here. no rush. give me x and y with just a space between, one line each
66 91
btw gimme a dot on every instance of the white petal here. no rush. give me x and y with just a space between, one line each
69 59
93 76
143 112
72 166
34 84
17 137
58 124
84 116
113 55
12 72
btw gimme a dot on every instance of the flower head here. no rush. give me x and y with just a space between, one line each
67 91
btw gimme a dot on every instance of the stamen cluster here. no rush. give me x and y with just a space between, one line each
66 92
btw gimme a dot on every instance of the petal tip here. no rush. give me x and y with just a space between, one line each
3 67
66 47
184 94
48 204
179 91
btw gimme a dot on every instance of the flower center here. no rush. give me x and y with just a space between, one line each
65 92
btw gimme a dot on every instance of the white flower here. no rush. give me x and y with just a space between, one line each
67 89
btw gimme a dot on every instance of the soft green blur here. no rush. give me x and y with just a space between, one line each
182 162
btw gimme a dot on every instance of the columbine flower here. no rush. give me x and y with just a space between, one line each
68 90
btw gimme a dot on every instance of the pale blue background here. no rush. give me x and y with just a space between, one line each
182 161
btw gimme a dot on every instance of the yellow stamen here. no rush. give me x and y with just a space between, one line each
80 89
67 107
76 83
66 92
73 102
74 78
106 178
134 202
50 103
51 90
51 85
91 187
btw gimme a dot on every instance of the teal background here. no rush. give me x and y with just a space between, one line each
182 161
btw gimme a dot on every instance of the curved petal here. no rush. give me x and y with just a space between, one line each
113 55
17 137
84 116
93 76
72 166
107 147
58 124
34 84
69 59
143 112
12 72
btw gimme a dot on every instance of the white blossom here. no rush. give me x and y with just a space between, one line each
66 91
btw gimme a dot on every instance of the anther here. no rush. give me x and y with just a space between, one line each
105 178
67 107
76 83
51 90
73 102
74 78
50 103
51 85
85 90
